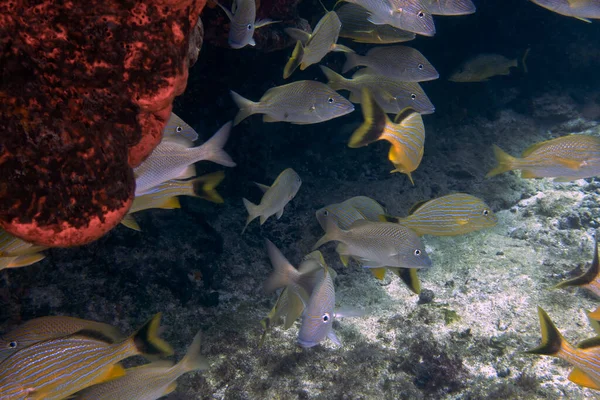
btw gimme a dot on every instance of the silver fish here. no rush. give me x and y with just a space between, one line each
243 23
300 102
580 9
350 211
311 48
276 197
314 286
174 158
449 7
178 127
392 95
377 244
356 26
401 63
408 15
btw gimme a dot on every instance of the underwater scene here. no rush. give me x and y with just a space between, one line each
299 199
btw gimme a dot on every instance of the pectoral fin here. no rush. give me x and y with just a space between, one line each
259 23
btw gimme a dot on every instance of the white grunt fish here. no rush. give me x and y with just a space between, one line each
243 23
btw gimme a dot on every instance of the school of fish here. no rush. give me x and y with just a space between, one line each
59 357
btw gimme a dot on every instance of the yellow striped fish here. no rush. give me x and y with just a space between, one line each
585 357
147 382
165 195
450 215
590 280
12 246
406 134
45 328
20 261
56 368
565 158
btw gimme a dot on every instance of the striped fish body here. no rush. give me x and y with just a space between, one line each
56 368
351 210
554 158
317 319
408 141
401 63
450 215
282 191
45 328
582 9
449 7
408 15
11 246
378 244
322 40
356 26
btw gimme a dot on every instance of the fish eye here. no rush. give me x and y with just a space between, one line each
179 129
486 212
325 317
421 14
12 345
330 100
413 96
326 213
417 252
249 26
420 66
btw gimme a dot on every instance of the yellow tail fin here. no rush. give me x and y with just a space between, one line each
204 186
374 124
505 161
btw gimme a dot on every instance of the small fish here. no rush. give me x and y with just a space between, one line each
585 357
397 62
315 287
391 94
449 7
300 102
566 158
165 195
178 127
243 23
45 328
406 135
350 211
56 368
275 197
408 15
311 48
356 26
583 10
174 158
377 244
590 280
484 66
149 381
450 215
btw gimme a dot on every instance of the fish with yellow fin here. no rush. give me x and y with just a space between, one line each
449 215
311 48
590 280
406 134
583 10
16 253
56 368
149 381
165 195
585 357
45 328
566 158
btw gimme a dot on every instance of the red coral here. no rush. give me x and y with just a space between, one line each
86 88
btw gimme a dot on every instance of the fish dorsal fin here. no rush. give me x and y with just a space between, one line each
589 343
262 187
582 379
533 148
298 34
416 206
